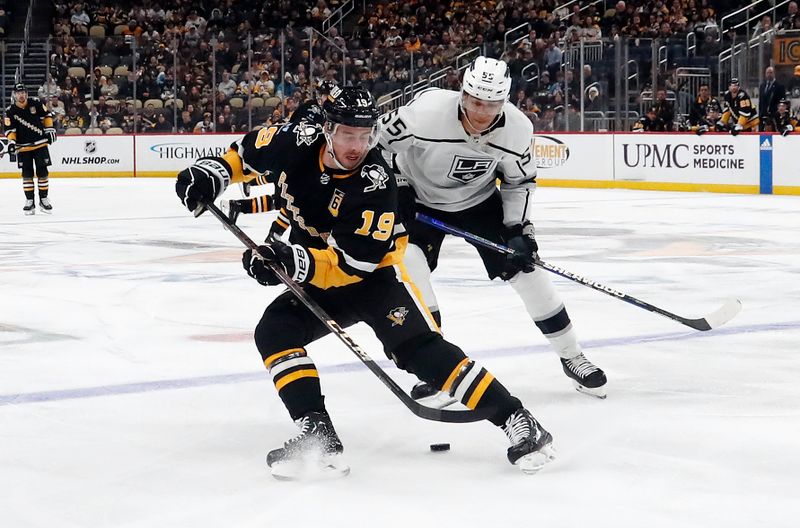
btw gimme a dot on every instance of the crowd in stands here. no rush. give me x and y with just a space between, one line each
390 45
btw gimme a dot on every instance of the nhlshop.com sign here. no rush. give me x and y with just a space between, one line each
686 158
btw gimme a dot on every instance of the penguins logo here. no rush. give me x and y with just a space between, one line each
376 175
398 316
306 133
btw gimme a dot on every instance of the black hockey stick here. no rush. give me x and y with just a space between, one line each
428 413
714 320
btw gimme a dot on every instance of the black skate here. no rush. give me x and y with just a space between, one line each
586 377
531 446
45 205
312 454
29 208
231 208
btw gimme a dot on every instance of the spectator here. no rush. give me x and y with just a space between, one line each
769 94
650 122
788 21
162 125
227 85
49 89
205 126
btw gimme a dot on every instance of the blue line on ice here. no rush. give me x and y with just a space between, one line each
226 379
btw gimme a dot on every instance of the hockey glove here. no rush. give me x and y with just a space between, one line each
11 148
203 182
736 129
788 130
702 129
294 260
50 133
521 238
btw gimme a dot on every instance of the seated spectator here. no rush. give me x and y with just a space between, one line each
162 125
788 21
49 89
205 126
227 85
794 83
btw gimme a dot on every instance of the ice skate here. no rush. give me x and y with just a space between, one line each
314 454
230 208
427 395
586 377
45 205
531 445
29 208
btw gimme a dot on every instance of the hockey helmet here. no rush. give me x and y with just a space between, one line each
786 103
713 106
351 106
487 79
325 87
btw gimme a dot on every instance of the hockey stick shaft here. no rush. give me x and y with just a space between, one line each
718 318
428 413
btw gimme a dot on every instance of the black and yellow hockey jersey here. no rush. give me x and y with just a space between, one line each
347 219
741 109
698 110
25 124
782 121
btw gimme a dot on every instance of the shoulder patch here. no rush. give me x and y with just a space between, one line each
307 133
376 175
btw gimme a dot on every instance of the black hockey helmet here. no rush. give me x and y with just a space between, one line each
325 87
351 106
20 87
786 102
713 106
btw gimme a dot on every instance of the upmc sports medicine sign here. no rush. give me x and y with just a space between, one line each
685 158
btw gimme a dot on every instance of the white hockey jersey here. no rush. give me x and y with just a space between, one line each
451 170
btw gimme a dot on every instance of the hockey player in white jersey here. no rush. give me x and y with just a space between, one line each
449 148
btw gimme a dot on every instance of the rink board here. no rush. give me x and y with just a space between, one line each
748 163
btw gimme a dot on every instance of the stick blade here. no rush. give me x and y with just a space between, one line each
722 315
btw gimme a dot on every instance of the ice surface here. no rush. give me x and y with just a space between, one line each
131 393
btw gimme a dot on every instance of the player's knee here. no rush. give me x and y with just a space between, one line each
429 357
271 337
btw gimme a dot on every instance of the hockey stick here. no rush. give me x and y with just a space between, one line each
428 413
714 320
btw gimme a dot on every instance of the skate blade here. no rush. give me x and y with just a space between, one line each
47 211
598 392
310 469
440 400
533 462
29 213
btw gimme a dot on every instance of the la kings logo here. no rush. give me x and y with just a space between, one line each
376 175
465 169
306 133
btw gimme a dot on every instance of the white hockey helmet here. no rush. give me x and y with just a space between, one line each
487 79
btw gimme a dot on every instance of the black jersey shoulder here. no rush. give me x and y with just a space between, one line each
278 146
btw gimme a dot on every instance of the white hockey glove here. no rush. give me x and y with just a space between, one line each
294 259
788 130
702 129
203 182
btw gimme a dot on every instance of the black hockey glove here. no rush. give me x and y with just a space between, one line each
406 204
702 129
11 148
293 259
736 129
521 238
50 133
203 182
788 130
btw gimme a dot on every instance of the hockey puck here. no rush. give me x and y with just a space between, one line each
440 447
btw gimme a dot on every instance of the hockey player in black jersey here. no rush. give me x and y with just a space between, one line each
712 122
345 249
650 122
29 129
309 111
783 121
740 115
